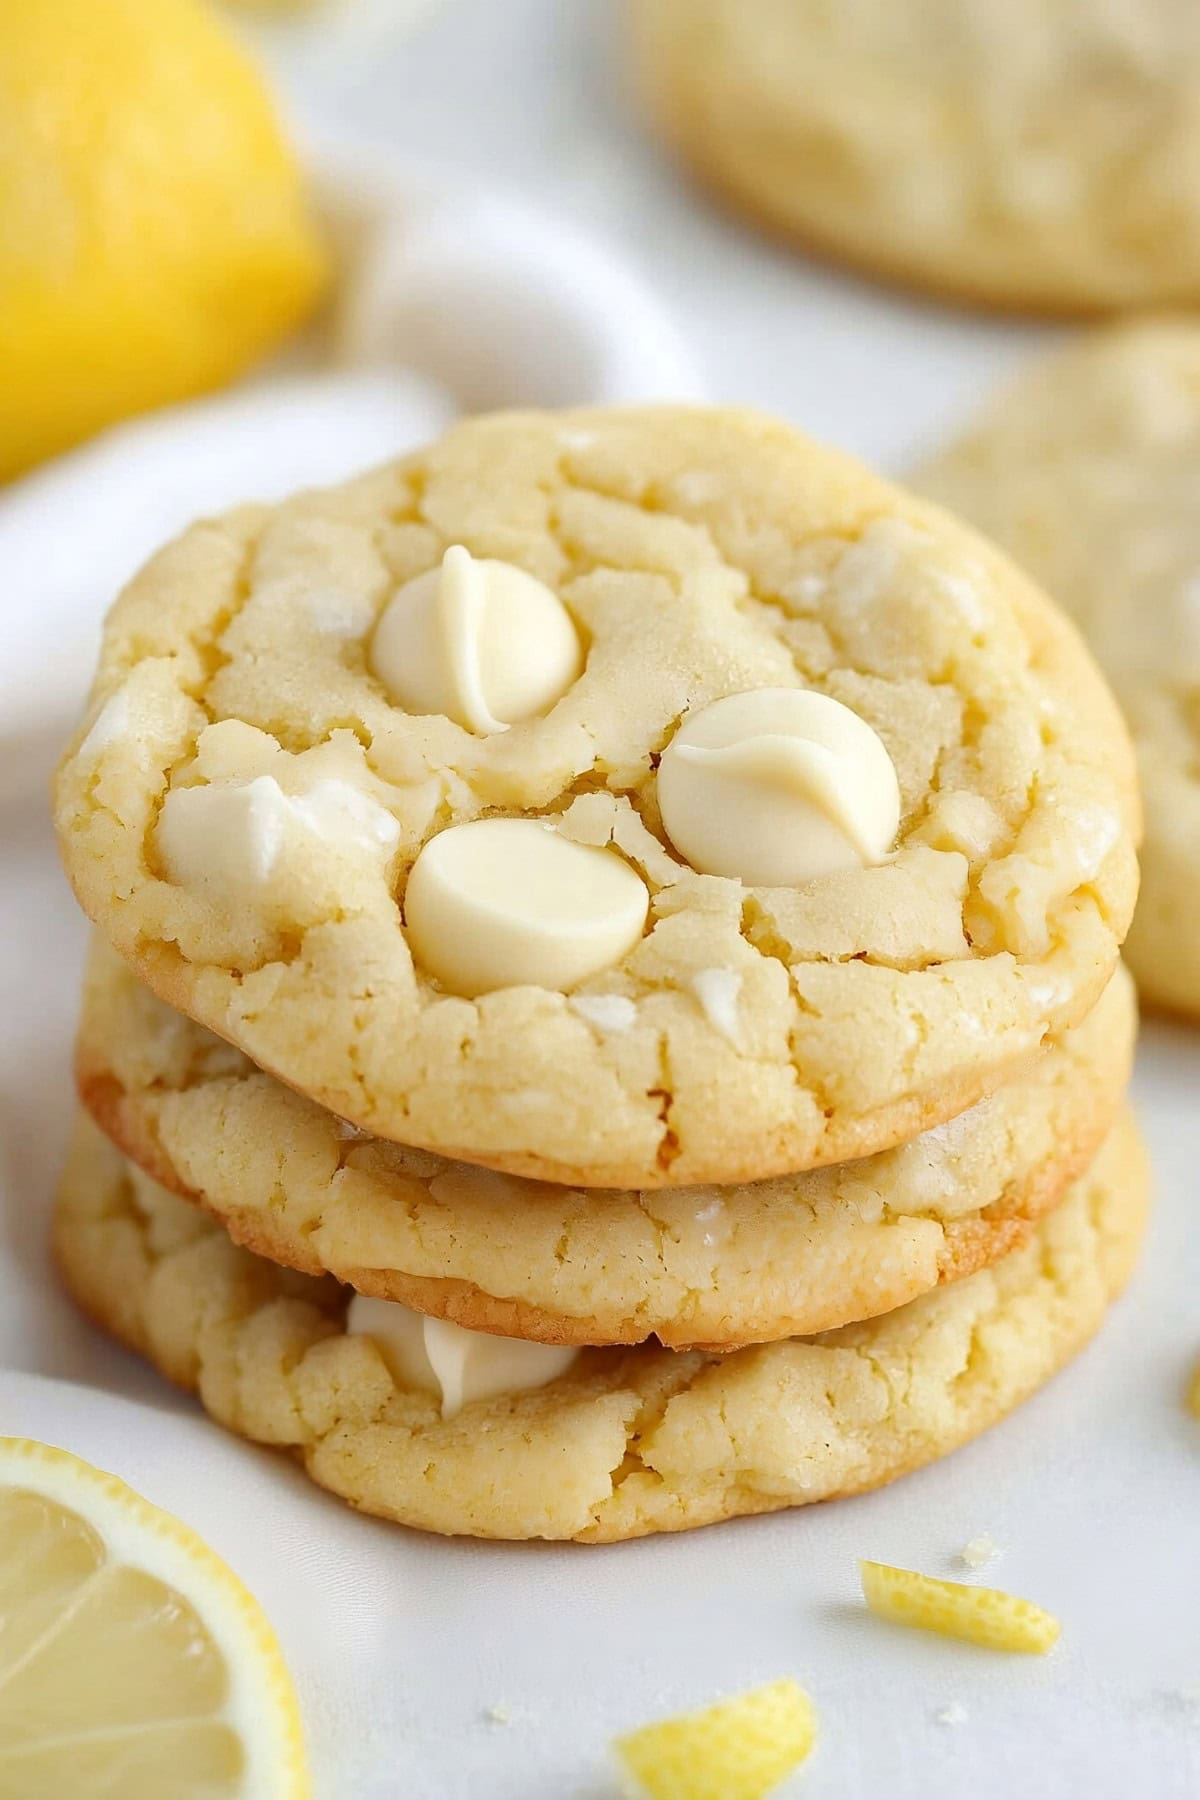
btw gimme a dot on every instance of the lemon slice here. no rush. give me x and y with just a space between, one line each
133 1663
980 1615
738 1749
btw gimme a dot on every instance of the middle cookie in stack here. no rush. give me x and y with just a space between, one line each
712 1267
640 801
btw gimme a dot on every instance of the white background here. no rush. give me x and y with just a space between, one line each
401 1643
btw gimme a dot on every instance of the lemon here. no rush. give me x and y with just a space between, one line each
153 234
275 6
738 1749
954 1609
133 1663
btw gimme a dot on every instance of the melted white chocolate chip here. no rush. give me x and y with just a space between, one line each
509 902
447 1360
113 722
478 640
777 787
718 991
224 838
607 1012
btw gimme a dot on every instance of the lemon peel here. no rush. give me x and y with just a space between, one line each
738 1749
979 1615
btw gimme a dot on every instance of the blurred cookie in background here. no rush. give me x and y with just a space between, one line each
1008 153
1088 472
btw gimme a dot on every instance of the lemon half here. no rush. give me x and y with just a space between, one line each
133 1662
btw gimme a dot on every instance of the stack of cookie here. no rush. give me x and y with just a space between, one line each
605 1013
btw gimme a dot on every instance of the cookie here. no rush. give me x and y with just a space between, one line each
1007 153
709 1266
1088 471
388 786
627 1442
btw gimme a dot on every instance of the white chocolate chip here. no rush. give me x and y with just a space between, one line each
444 1359
347 1130
866 569
804 589
342 814
964 596
1089 833
111 724
479 641
697 487
225 838
777 787
607 1012
509 902
717 991
932 1161
1049 994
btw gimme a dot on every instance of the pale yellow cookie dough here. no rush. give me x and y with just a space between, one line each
626 1443
1032 154
1088 471
710 1266
244 803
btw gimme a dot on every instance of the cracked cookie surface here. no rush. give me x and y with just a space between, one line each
1006 152
708 1266
628 1442
750 1031
1088 471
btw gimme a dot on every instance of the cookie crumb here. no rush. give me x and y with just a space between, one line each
954 1714
982 1549
499 1714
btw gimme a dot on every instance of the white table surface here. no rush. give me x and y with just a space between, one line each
1093 1490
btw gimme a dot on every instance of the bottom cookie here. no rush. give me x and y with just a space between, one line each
627 1442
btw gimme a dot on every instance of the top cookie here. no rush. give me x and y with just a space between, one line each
1008 152
1088 470
246 805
